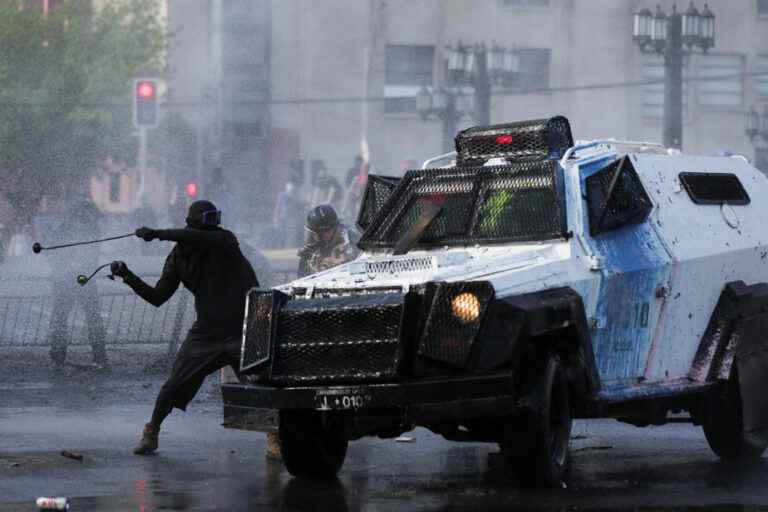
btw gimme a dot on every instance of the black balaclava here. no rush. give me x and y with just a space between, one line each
195 214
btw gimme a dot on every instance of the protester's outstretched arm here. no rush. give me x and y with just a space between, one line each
156 295
189 236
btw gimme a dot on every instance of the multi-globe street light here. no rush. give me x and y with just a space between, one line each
471 71
674 36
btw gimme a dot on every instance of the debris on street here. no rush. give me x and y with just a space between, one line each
72 455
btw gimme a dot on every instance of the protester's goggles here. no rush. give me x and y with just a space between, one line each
211 217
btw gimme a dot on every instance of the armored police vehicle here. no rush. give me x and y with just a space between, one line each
533 282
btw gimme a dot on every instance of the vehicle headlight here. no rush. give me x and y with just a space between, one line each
466 307
456 312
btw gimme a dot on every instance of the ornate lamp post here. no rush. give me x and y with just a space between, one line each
673 37
475 67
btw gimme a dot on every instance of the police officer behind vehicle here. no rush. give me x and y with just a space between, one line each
207 261
328 242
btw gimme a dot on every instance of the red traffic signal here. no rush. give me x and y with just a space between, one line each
145 113
191 189
146 90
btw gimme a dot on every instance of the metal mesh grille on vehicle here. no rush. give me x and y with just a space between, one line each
518 202
258 326
616 197
377 192
394 266
523 141
339 339
454 320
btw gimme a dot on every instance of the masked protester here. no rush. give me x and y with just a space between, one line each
328 242
207 261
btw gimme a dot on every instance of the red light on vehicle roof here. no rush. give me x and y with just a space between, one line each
504 139
146 89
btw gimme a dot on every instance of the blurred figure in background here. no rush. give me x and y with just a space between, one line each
287 218
328 242
357 179
327 189
7 222
79 221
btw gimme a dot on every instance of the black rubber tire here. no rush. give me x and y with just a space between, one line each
309 449
722 425
536 446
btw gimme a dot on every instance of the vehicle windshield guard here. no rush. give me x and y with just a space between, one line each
519 202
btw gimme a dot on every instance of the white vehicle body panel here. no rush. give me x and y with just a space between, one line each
648 289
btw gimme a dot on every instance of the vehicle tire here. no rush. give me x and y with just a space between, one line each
308 448
723 428
535 446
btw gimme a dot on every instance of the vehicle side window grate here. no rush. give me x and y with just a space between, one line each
616 198
377 192
714 188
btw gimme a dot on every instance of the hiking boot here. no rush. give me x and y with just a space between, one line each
148 442
273 447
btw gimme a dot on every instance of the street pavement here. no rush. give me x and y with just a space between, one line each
202 466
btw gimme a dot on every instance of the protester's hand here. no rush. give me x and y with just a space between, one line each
119 269
147 234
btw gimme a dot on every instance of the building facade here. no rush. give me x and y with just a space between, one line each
329 79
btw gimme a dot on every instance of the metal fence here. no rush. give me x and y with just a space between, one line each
26 310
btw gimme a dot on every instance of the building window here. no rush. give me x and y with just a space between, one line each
653 93
407 69
761 80
534 70
762 7
721 82
511 4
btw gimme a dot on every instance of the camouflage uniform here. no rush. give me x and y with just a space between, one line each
318 255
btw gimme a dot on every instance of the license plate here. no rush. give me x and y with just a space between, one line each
340 399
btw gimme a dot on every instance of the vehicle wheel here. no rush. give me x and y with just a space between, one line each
723 428
535 446
309 449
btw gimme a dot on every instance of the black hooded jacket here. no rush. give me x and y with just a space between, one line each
208 262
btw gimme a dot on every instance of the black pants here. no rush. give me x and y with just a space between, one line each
66 296
201 354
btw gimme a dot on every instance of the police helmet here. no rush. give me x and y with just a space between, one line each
322 218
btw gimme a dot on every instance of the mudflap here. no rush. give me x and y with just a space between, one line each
752 366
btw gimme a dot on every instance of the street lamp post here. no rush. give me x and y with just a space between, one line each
756 128
474 67
673 37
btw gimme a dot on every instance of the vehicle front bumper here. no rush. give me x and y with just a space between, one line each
421 402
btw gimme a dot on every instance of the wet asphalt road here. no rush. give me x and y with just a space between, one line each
202 466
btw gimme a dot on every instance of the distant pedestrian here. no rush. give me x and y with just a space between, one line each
288 216
79 221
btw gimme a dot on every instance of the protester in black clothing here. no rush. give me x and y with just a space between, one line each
207 260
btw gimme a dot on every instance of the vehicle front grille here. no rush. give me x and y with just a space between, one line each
339 339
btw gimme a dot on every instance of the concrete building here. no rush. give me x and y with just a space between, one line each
338 75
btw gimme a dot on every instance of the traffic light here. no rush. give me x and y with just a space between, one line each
191 189
145 113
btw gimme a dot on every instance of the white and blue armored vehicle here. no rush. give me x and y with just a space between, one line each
533 282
